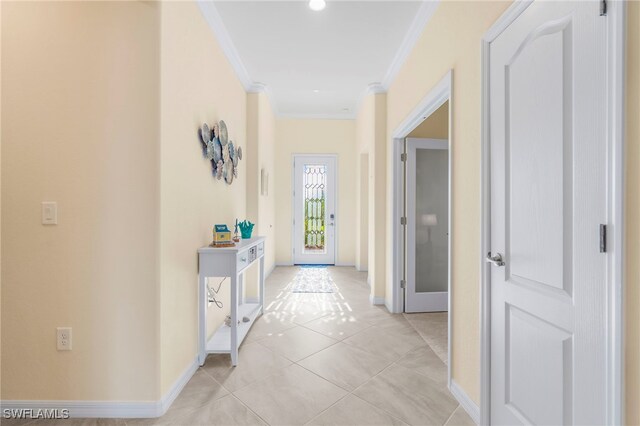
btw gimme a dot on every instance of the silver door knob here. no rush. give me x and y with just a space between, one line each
496 260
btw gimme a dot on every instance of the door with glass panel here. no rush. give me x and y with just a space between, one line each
314 215
427 204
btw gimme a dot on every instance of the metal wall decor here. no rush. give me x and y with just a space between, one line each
217 148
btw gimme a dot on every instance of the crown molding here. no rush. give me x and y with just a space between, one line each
213 18
345 116
420 21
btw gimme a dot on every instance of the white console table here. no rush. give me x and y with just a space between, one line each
228 262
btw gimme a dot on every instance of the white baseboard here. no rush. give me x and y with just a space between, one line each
284 264
177 387
109 409
467 403
376 300
252 300
344 264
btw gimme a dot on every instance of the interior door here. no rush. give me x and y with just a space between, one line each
548 199
427 197
315 219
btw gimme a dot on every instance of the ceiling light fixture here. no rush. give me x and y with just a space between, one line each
317 5
316 91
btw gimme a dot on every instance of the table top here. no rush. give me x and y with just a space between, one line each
243 244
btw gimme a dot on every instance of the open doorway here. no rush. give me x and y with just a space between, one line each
426 194
425 133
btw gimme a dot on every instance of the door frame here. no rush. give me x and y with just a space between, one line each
441 92
616 13
293 205
410 253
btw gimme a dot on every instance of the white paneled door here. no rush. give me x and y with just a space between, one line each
548 137
427 195
314 201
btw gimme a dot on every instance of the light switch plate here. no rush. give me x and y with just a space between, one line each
49 213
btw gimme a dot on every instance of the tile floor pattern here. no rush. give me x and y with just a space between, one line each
320 359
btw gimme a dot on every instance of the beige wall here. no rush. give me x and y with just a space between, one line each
436 126
362 209
261 127
81 127
316 137
199 88
451 40
632 212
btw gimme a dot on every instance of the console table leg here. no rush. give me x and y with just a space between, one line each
234 320
202 325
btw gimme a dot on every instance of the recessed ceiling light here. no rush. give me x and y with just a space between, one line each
316 91
317 5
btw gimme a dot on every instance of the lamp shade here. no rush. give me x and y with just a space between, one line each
429 219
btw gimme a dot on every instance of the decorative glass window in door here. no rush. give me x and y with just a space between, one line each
314 185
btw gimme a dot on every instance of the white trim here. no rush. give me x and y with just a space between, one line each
215 22
213 18
412 36
177 386
376 300
465 402
284 263
615 98
302 116
111 409
616 68
344 264
441 93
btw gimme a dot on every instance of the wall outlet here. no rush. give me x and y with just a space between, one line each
64 338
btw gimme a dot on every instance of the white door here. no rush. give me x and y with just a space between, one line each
548 198
427 196
314 220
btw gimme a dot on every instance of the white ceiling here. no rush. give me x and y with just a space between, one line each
294 51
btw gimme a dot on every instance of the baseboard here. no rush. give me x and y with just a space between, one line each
284 264
376 300
252 300
177 387
109 409
345 264
467 403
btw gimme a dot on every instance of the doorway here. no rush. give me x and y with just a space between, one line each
427 213
314 209
552 237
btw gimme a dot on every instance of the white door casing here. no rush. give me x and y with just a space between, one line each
548 184
319 165
422 297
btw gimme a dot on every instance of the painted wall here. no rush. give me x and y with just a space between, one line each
451 40
362 209
80 114
365 138
632 212
436 126
316 137
198 88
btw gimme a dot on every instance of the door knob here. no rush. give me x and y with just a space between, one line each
496 260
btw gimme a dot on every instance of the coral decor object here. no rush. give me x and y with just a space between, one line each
223 154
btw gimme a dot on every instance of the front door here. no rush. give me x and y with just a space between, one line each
548 123
314 212
427 195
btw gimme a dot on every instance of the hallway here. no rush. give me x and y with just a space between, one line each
325 359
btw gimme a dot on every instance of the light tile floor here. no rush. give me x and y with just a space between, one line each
321 359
